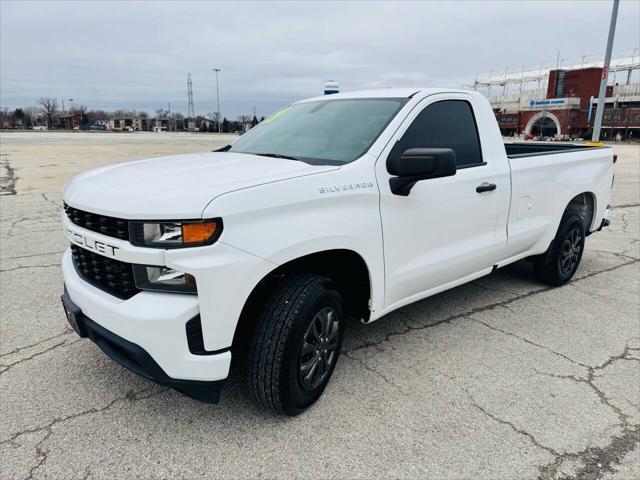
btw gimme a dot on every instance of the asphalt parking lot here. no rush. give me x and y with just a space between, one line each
500 378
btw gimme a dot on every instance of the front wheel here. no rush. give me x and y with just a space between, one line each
559 263
296 344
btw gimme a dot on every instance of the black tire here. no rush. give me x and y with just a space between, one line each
287 323
559 263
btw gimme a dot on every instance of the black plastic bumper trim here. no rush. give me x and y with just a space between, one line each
605 223
195 340
135 358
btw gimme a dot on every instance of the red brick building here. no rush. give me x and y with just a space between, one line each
568 108
67 121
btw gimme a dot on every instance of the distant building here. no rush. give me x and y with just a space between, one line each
134 123
9 123
166 124
66 121
198 124
562 102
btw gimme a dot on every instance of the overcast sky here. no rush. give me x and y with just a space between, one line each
137 54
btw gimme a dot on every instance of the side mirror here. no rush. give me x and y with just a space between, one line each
417 164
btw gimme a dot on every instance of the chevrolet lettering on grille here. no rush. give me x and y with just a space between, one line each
91 244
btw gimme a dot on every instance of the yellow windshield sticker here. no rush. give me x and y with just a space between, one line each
279 113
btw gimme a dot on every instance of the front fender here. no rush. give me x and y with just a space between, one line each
293 218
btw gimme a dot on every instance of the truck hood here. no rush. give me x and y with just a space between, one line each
176 187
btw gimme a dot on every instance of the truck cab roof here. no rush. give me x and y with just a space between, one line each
384 93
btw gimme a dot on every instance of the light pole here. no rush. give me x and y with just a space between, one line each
605 73
71 107
217 70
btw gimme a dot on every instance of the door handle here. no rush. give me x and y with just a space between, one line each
486 187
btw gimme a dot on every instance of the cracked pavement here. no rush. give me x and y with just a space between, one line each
500 378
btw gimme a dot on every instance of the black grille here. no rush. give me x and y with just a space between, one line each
112 227
107 274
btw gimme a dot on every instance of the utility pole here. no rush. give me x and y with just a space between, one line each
71 112
217 70
605 73
64 115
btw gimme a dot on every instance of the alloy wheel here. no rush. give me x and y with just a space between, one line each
570 251
319 348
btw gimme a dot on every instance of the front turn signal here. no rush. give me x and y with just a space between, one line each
198 233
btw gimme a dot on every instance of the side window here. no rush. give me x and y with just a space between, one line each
446 124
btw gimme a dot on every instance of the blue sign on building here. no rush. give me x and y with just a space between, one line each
548 101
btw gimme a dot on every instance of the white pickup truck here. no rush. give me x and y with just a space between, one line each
349 205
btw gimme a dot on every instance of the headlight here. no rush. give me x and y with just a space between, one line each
175 234
164 279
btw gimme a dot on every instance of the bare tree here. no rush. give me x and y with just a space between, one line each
244 121
97 115
80 109
50 106
4 117
211 116
31 114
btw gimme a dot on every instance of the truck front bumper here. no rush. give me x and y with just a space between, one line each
136 358
146 334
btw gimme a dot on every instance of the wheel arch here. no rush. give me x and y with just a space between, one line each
584 205
345 267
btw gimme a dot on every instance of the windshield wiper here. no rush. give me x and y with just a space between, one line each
278 155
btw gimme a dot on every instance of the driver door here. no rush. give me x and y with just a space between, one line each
446 230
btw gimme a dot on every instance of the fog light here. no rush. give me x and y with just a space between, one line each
164 279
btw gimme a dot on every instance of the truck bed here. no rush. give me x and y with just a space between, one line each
530 149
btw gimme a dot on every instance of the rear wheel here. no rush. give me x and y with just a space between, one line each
559 263
296 344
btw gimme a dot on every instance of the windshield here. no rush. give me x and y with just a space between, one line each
326 131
